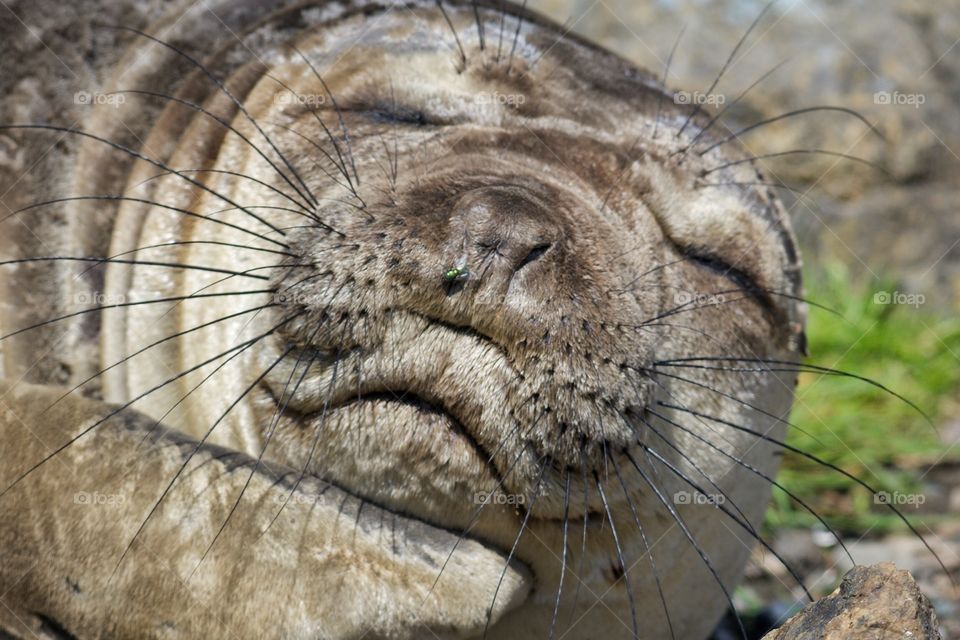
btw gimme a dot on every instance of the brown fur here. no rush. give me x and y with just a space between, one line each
581 232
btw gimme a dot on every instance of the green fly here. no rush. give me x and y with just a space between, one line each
458 272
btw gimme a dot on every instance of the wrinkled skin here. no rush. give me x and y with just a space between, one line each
368 393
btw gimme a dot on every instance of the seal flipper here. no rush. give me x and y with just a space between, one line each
352 568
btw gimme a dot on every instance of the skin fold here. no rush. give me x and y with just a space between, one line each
456 340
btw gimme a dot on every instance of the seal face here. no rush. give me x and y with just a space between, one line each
466 268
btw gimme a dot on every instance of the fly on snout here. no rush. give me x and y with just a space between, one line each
458 272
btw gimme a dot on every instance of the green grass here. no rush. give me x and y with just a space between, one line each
872 434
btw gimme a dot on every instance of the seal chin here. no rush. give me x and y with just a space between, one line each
435 419
407 447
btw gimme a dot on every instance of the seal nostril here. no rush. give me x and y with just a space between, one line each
534 254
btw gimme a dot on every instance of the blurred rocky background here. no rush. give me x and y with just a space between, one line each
882 248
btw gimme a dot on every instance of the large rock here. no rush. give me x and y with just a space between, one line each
872 603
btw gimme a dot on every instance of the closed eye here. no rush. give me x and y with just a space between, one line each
738 277
379 111
397 115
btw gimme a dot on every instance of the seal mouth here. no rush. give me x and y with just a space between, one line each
444 420
442 437
400 416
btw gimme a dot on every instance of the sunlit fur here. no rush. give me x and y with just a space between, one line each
308 421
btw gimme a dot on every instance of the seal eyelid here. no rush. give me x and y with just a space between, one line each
739 277
395 114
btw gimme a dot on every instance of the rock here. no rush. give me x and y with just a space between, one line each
872 603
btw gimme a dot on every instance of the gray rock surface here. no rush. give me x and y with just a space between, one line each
872 603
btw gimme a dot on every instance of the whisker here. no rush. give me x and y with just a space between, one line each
130 304
791 114
154 344
740 514
740 519
284 401
687 308
180 243
336 107
563 560
763 475
503 23
196 449
140 156
647 551
223 89
313 447
791 367
826 464
663 79
107 197
342 166
476 17
686 532
802 194
583 543
478 511
85 431
513 549
740 401
319 147
516 35
729 106
190 393
229 127
453 30
142 263
825 152
726 65
619 549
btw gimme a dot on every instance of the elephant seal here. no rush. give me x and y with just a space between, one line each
384 320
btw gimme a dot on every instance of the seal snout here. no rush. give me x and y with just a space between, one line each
499 230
